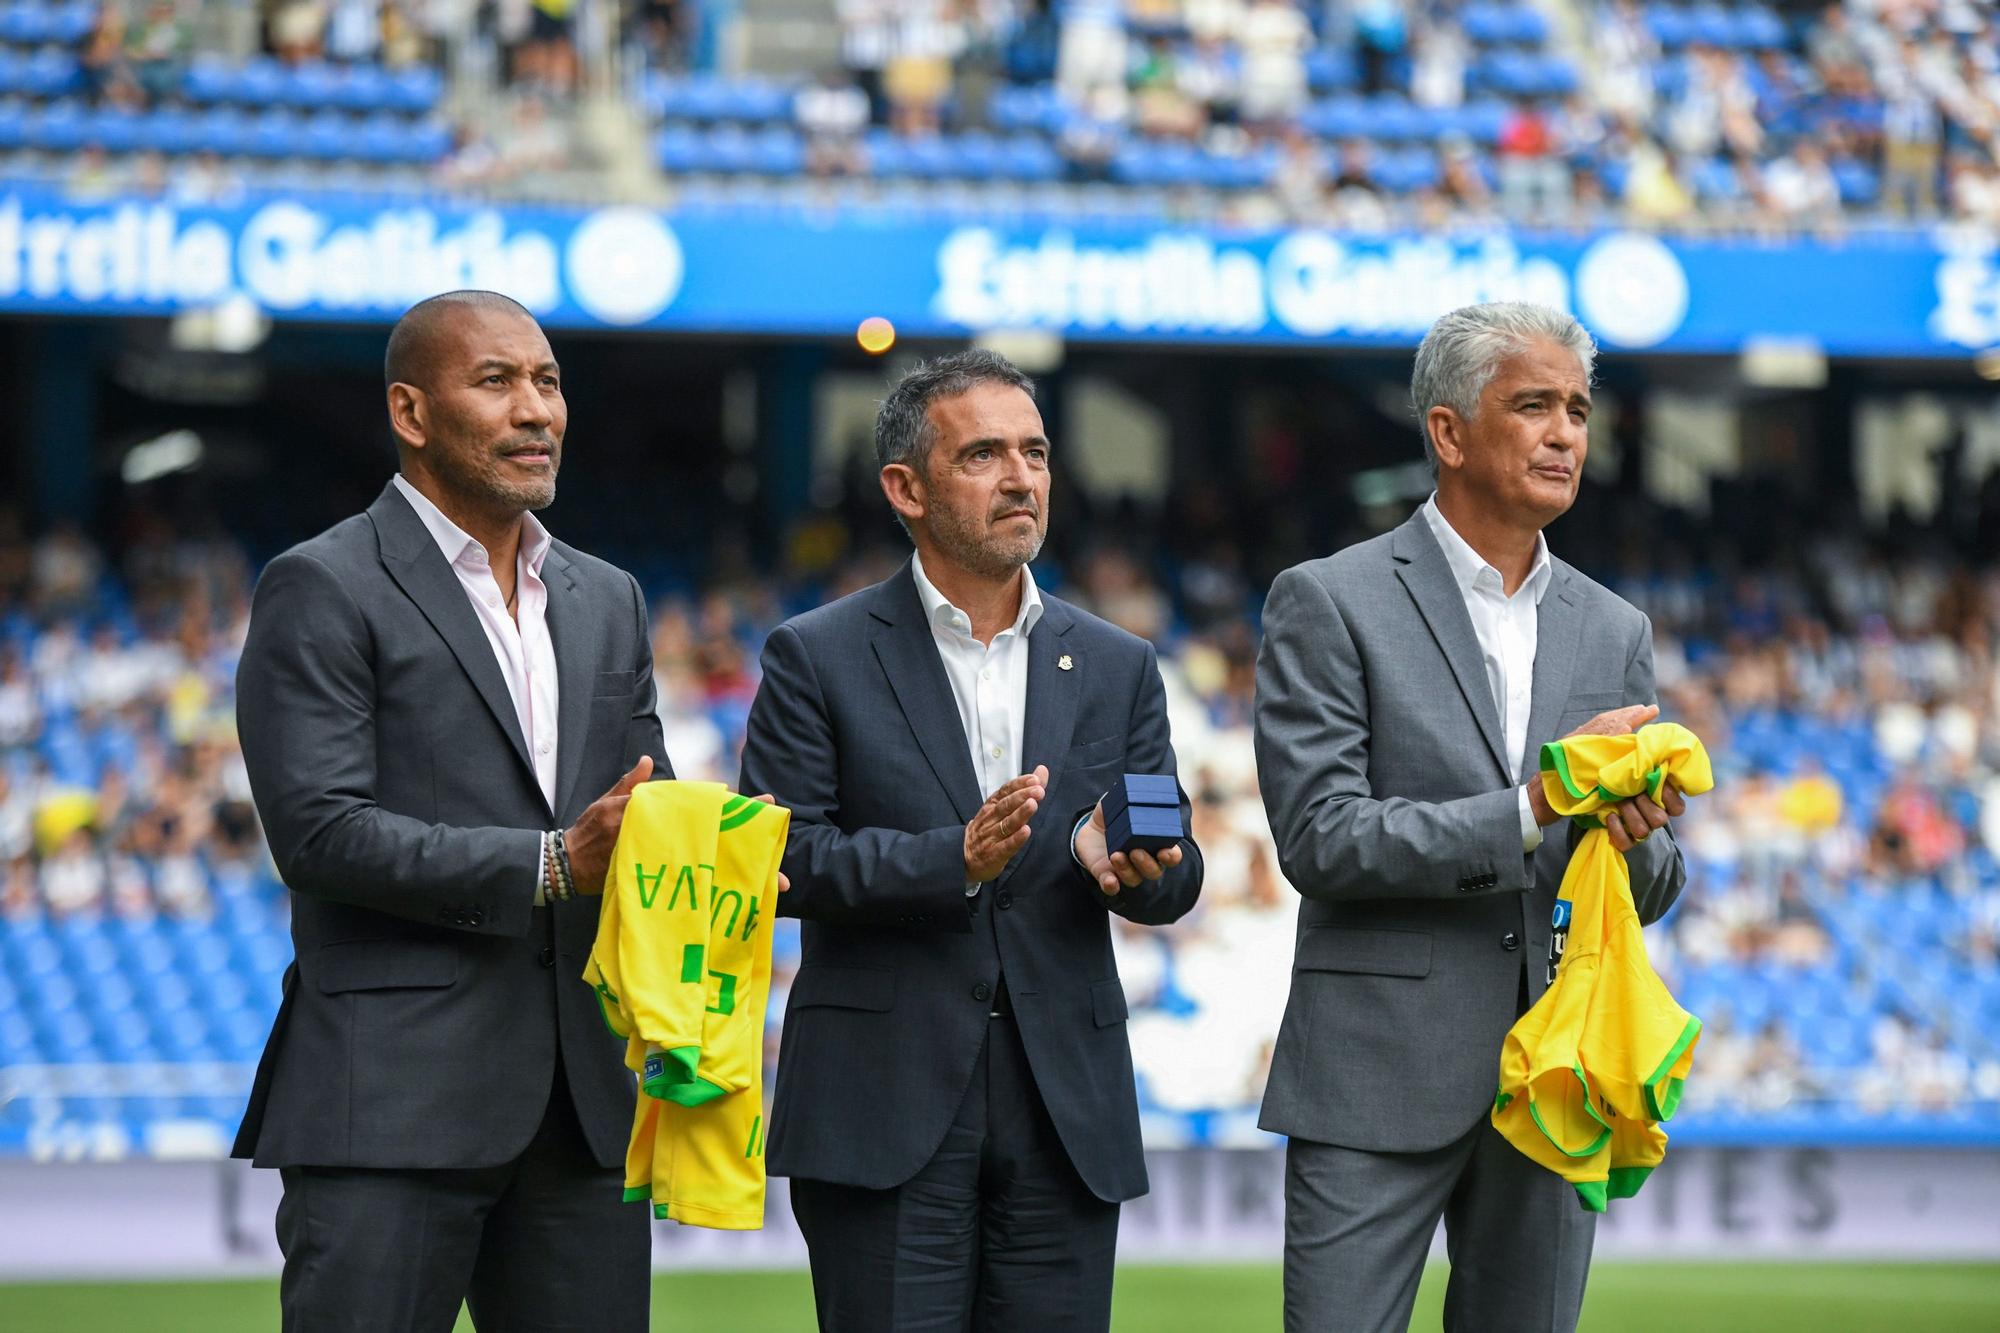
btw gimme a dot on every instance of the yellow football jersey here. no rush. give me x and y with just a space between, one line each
682 970
1588 1074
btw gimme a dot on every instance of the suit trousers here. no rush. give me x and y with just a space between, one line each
542 1243
996 1234
1358 1226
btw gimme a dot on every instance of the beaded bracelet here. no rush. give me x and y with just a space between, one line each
551 885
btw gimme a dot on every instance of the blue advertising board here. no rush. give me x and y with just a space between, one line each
1903 295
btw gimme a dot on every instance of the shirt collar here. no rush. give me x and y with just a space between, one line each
944 615
1468 566
460 546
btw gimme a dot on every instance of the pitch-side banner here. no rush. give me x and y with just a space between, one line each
212 1219
1910 294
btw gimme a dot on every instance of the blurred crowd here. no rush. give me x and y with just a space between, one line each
1868 106
1840 934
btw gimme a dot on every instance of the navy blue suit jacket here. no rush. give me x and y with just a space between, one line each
855 730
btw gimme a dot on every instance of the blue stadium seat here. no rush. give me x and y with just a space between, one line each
1759 29
362 87
275 133
25 23
1390 118
1028 157
13 70
261 82
224 130
778 151
51 73
416 89
680 150
317 85
1859 185
13 126
328 136
1330 70
170 130
62 127
69 24
1337 118
1672 27
210 78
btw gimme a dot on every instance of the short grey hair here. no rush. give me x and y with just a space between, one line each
1463 351
903 429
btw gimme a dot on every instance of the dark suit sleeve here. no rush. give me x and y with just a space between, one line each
305 709
1658 869
1150 749
871 876
642 732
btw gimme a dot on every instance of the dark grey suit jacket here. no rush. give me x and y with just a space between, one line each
855 729
1380 753
430 1000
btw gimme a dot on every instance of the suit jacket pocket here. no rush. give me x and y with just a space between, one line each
1101 751
1382 953
351 965
1107 1002
817 984
612 684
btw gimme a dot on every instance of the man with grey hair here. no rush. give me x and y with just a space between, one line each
1404 688
955 1107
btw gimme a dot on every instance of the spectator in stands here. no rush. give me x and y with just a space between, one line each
1094 51
1624 54
1974 190
867 39
917 82
1912 135
1273 37
545 60
1799 189
1162 107
157 50
296 30
104 70
1437 65
73 876
1655 194
1358 201
1381 31
1534 185
832 114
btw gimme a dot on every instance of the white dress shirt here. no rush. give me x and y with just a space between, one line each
1506 628
989 681
520 642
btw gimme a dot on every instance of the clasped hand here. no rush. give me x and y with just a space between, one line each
1631 821
591 840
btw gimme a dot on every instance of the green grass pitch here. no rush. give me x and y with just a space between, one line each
1627 1298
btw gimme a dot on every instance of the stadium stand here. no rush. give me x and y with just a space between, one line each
1840 936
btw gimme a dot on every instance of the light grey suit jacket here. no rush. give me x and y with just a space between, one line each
1380 753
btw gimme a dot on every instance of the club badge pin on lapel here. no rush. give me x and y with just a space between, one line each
1065 662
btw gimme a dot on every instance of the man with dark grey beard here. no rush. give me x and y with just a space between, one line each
955 1104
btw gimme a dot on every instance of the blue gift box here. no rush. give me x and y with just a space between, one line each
1143 811
1149 828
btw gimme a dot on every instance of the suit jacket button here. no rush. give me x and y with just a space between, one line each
474 917
1004 901
982 992
1510 941
547 957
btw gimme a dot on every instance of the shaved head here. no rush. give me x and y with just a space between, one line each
418 341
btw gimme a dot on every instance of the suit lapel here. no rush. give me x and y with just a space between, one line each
420 569
573 682
1052 701
1422 567
1558 623
909 659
